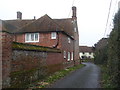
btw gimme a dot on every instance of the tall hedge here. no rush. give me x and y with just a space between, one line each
109 55
114 52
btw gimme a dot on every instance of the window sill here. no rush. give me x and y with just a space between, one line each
31 41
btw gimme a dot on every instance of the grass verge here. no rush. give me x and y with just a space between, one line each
54 77
105 78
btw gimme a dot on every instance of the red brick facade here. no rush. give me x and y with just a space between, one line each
45 40
6 58
23 60
67 40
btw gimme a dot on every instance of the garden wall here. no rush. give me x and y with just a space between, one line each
23 64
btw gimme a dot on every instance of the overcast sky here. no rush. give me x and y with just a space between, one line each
91 14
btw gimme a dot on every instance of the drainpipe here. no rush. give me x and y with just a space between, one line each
57 40
74 52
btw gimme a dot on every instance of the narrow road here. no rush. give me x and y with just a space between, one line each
86 77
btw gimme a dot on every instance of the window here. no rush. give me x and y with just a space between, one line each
32 37
75 29
90 53
69 40
68 56
71 55
64 54
53 35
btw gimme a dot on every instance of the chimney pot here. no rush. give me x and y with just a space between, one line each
19 15
73 12
34 18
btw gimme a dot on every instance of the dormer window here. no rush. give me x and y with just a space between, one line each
32 37
53 35
69 40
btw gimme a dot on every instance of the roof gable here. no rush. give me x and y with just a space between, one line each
45 23
67 25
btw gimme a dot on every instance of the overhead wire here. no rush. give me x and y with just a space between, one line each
114 11
108 17
70 9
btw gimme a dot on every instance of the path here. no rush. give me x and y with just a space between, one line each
86 77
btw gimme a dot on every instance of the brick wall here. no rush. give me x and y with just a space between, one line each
0 60
68 47
6 58
54 62
44 39
21 66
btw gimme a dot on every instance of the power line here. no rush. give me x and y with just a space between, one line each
70 9
114 11
108 17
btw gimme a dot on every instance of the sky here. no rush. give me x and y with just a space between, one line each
91 14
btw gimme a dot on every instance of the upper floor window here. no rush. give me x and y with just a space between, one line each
69 40
32 37
53 35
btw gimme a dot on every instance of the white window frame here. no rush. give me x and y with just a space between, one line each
64 54
53 35
28 37
71 55
68 56
75 29
69 41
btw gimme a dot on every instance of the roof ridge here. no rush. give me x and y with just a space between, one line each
31 23
54 21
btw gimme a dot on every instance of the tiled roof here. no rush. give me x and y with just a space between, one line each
67 25
7 27
45 23
19 23
85 49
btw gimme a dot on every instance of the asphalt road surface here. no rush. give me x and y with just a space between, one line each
86 77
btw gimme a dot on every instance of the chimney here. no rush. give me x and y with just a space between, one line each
74 12
34 18
119 5
19 15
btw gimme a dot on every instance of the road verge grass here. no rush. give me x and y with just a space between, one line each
54 77
105 78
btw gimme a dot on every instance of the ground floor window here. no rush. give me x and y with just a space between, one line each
71 55
68 56
64 54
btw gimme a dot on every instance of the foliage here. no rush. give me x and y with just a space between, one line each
114 52
105 78
24 46
110 56
54 77
101 56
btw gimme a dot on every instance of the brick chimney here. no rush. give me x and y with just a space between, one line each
74 12
19 15
119 5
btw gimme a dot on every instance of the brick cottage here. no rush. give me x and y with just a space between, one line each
58 38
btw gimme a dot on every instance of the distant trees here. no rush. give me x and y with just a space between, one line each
110 53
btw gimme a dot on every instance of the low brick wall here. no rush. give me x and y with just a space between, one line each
23 63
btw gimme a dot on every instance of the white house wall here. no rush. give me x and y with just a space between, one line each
87 54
